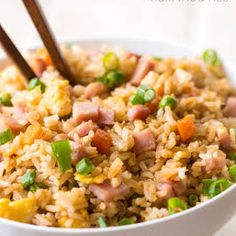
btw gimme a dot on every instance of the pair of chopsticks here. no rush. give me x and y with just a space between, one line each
48 39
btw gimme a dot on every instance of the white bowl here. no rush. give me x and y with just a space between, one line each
202 220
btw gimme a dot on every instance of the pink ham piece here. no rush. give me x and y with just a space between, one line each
9 122
138 112
106 116
231 107
77 153
214 163
84 111
94 89
106 192
82 130
167 189
144 66
225 139
144 141
60 137
38 65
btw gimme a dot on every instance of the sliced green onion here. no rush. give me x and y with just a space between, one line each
176 205
35 83
73 184
138 98
167 101
149 95
110 61
62 151
112 79
193 199
85 166
5 99
125 221
102 223
218 187
6 136
210 57
158 58
28 179
36 186
232 173
143 94
233 156
206 184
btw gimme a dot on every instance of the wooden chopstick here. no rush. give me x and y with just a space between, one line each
48 38
15 55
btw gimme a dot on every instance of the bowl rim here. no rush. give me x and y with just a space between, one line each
80 231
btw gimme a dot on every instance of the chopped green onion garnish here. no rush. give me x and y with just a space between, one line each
218 187
233 156
138 98
36 186
167 101
112 79
102 223
158 58
5 99
28 179
149 95
232 173
35 83
110 61
176 205
85 166
6 136
210 57
206 184
143 94
193 199
62 151
125 221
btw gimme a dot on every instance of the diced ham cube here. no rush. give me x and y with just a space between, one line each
138 112
102 141
144 141
60 137
215 163
106 192
94 89
106 116
231 107
9 122
77 153
167 189
84 111
224 138
82 130
38 65
144 66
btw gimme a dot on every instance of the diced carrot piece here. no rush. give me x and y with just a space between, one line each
186 128
43 54
102 141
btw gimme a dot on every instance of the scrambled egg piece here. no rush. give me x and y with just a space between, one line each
67 222
21 210
11 80
57 97
88 179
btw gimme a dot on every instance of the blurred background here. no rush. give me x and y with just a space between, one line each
197 23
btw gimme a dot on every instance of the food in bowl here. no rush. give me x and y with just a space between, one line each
138 138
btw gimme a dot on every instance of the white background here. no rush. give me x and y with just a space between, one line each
198 23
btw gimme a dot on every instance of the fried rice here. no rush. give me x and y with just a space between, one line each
129 159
